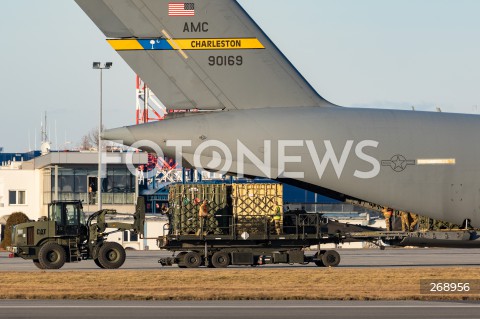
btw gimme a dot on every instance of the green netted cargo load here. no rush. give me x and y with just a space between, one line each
185 201
247 207
255 204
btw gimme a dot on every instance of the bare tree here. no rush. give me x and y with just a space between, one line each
89 140
93 136
85 144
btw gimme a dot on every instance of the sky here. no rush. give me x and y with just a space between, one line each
372 53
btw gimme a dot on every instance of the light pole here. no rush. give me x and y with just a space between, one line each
98 66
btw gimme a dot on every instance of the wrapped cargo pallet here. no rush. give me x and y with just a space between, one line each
185 201
255 205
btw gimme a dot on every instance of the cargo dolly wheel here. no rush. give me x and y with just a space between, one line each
181 259
331 258
220 259
318 258
192 260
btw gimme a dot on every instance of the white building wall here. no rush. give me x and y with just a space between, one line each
153 229
27 180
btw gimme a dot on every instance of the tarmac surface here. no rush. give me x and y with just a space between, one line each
350 258
236 309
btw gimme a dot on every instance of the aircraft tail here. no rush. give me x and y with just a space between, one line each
201 54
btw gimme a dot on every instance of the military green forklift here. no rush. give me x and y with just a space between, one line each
66 236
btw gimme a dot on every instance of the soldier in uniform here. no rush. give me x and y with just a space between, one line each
414 223
277 218
167 212
387 213
202 216
405 221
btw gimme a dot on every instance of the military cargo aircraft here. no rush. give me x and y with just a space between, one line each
234 93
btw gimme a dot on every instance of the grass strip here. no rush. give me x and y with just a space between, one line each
234 284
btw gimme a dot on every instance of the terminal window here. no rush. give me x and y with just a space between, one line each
16 197
118 186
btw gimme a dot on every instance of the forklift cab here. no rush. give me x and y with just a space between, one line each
68 217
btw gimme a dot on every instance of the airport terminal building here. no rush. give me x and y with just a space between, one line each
29 186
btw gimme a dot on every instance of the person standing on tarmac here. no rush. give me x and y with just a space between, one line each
90 195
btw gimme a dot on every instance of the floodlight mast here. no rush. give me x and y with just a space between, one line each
98 66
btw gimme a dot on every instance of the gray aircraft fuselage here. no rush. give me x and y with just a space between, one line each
210 55
420 162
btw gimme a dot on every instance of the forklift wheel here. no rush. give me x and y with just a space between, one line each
38 264
111 255
51 256
95 255
98 263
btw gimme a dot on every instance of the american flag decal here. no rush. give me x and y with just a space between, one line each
181 9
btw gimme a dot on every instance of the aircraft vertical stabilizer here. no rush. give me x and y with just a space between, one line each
206 54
